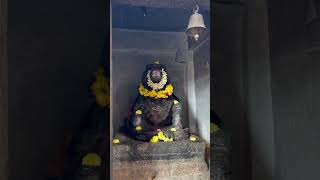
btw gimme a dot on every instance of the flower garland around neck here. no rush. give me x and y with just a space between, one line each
156 94
161 84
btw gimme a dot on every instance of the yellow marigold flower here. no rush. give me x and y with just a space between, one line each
91 159
154 139
170 139
161 136
214 128
193 138
138 128
116 141
173 129
156 94
138 112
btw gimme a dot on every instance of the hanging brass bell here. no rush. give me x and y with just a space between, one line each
196 25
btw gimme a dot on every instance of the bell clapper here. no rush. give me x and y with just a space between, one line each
196 37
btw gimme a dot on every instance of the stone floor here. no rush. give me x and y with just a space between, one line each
161 170
175 160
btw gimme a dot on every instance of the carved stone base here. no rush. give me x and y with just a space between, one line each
162 161
161 170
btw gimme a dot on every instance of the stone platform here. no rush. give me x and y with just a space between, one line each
175 160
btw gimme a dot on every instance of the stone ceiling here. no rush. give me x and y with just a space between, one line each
153 19
185 4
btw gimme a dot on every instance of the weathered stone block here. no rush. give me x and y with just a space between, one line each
159 151
160 170
163 160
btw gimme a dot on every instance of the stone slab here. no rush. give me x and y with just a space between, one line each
139 151
161 169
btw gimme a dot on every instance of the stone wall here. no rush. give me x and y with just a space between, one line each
3 92
202 87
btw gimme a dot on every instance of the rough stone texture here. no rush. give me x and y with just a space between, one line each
159 151
160 170
3 92
163 160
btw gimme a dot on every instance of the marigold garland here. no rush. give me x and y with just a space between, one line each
156 94
161 84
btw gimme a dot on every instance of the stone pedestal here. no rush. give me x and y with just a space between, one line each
162 161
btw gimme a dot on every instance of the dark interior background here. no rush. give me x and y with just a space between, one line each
295 54
266 86
268 68
53 48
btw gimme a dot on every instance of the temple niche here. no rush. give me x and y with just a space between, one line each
160 95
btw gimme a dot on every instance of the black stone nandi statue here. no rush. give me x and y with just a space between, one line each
157 113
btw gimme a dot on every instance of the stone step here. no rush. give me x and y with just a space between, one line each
161 170
183 160
184 149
